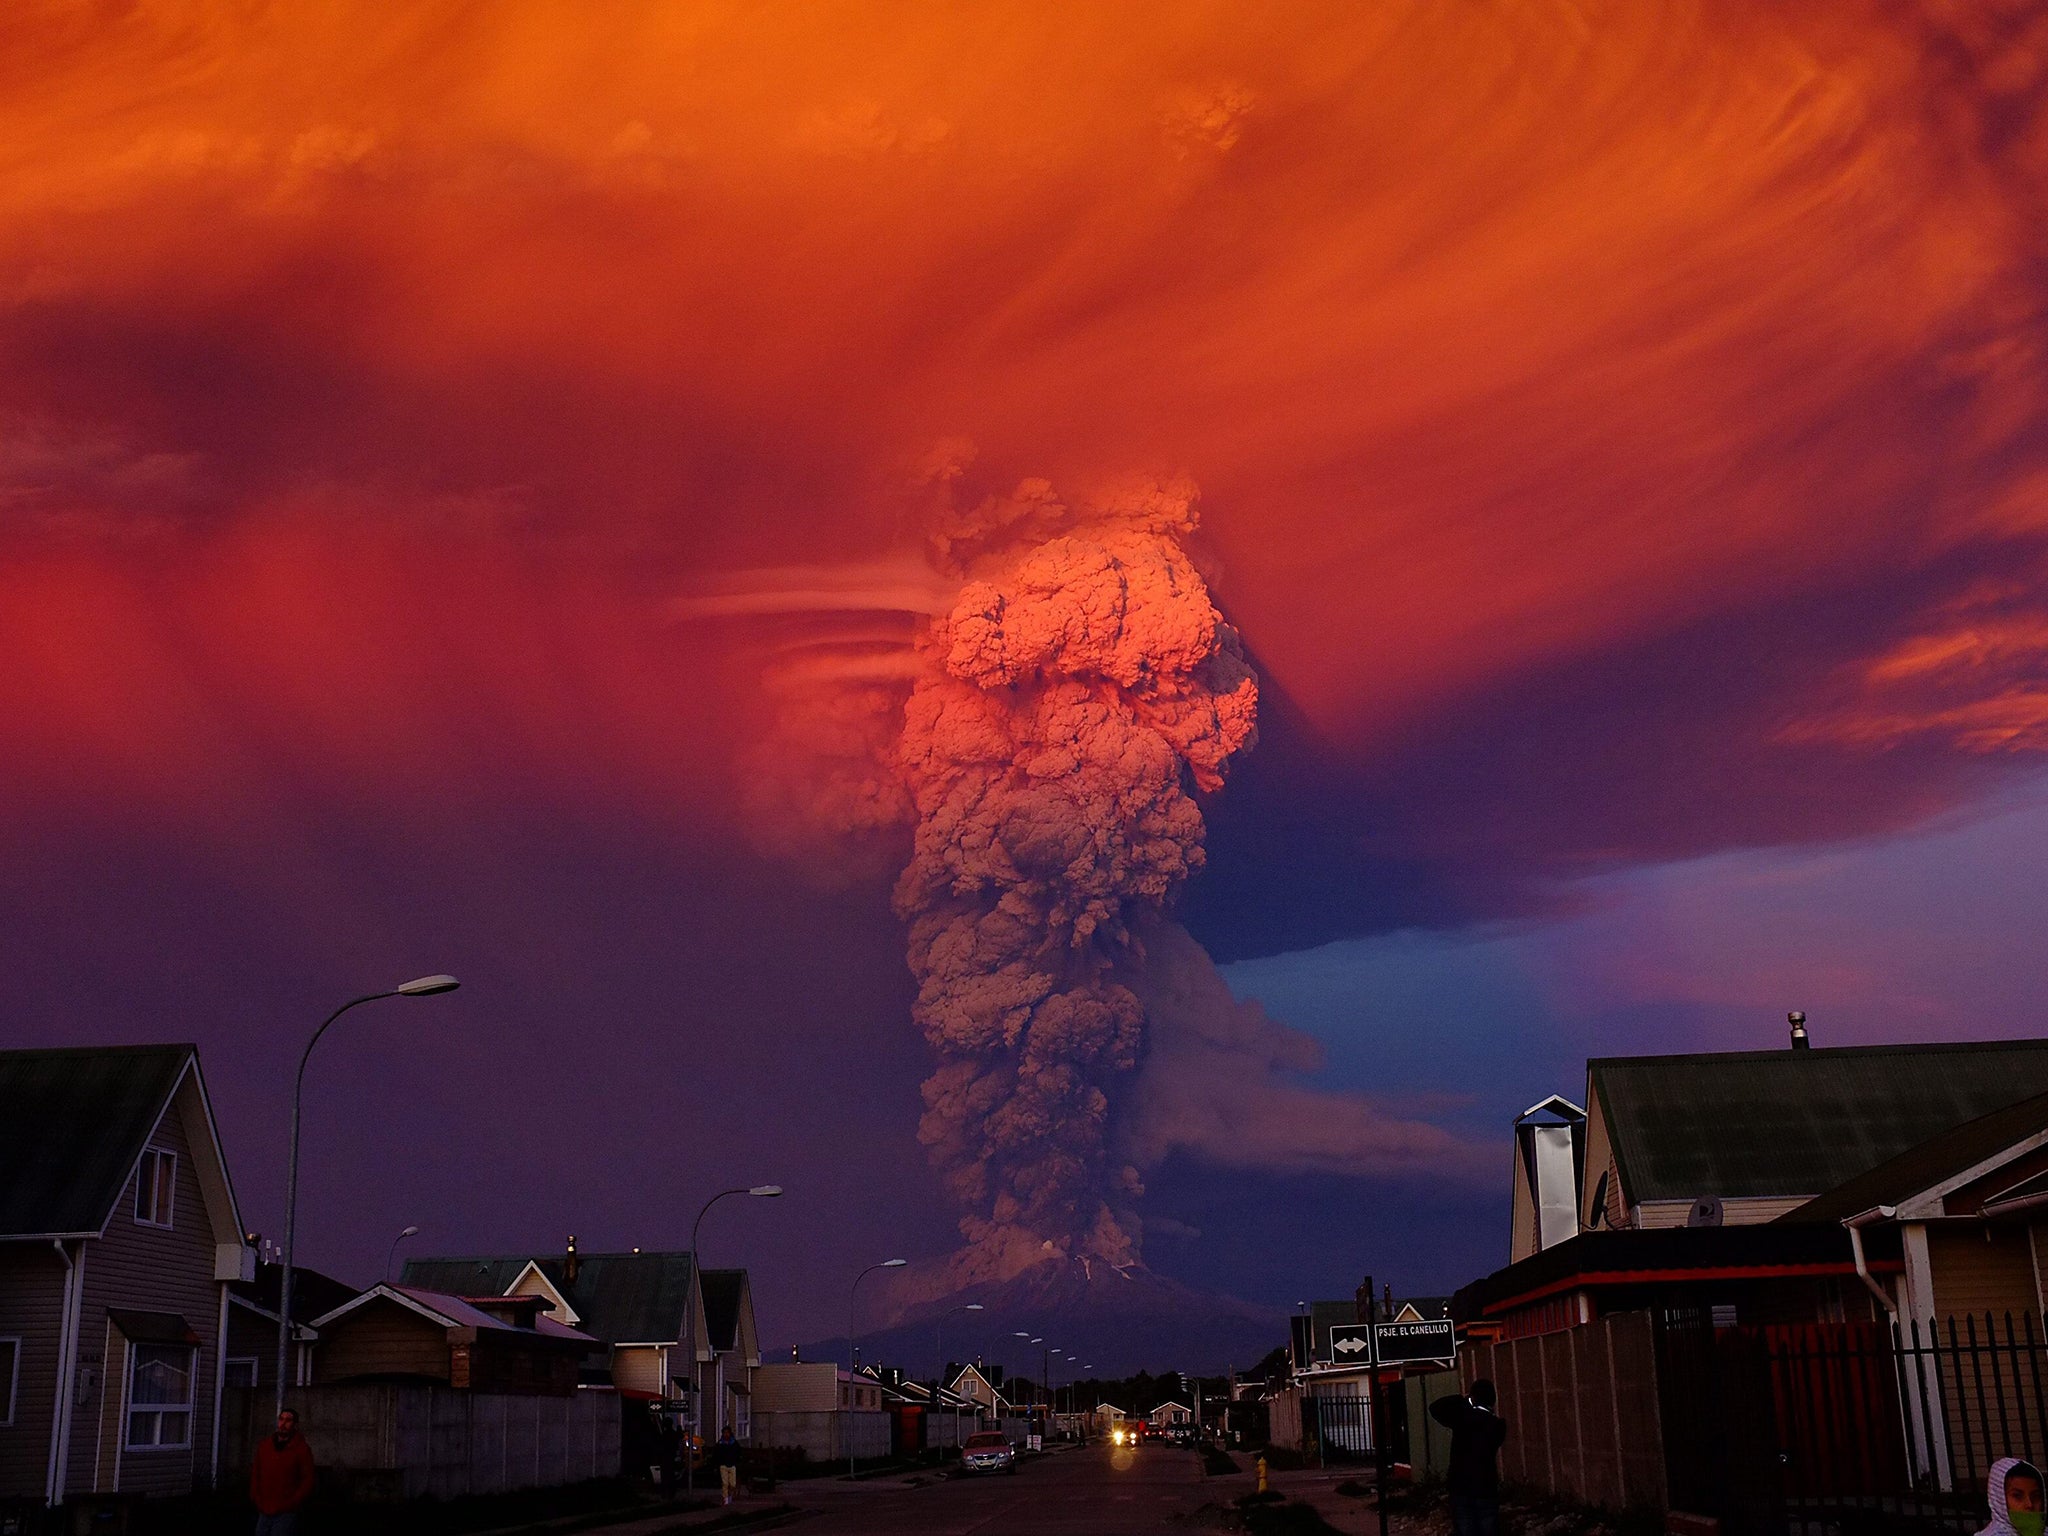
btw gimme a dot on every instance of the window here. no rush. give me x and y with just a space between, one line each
10 1377
155 1183
242 1372
160 1397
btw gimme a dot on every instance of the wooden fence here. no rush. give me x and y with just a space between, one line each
1582 1411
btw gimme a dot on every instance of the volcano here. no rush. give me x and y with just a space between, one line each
1119 1320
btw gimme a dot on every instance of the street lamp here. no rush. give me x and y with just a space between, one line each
392 1257
423 986
853 1349
940 1328
760 1191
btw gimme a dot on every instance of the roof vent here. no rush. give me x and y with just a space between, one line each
1797 1019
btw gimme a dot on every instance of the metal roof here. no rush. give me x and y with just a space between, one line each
1932 1162
620 1298
1750 1124
72 1124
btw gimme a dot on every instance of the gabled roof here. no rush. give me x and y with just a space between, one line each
72 1125
619 1298
449 1312
312 1292
1933 1162
1763 1124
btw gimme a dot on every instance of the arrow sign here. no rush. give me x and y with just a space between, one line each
1351 1343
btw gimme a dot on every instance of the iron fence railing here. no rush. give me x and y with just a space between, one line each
1845 1428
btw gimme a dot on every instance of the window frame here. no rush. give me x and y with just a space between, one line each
12 1399
164 1216
131 1410
255 1371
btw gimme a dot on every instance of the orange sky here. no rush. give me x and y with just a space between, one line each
371 361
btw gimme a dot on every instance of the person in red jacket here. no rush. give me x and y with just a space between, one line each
281 1478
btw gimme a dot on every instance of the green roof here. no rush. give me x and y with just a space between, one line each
620 1298
1930 1163
72 1124
1764 1124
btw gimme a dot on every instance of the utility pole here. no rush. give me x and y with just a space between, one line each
1383 1449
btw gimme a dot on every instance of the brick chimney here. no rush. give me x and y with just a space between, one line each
569 1265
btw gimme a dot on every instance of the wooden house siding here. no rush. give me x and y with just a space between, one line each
382 1339
31 1310
150 1269
640 1368
1979 1269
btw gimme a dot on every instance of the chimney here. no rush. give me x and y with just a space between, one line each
569 1262
1797 1019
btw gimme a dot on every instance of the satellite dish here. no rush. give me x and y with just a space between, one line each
1705 1212
1599 1204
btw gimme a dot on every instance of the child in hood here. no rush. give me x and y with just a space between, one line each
2016 1493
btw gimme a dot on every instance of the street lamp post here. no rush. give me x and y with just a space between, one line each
391 1258
853 1348
940 1327
759 1191
424 986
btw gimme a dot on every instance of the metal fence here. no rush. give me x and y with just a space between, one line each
1804 1429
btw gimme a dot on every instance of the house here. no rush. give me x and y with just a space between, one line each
497 1344
813 1387
251 1347
1735 1138
665 1332
1166 1415
983 1389
119 1238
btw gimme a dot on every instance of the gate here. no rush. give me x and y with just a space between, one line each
1801 1430
1337 1428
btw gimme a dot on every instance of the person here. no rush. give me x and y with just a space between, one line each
1477 1434
2018 1495
281 1477
726 1454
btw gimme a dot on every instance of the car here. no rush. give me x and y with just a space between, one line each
988 1451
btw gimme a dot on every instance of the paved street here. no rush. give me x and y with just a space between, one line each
1076 1493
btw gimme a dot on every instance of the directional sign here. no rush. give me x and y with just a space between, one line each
1351 1343
1406 1343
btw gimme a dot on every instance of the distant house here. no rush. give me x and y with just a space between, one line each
499 1344
251 1347
977 1387
1166 1415
119 1237
664 1332
1733 1138
813 1387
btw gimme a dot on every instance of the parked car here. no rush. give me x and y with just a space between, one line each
988 1451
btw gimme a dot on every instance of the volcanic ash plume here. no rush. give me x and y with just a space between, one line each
1082 685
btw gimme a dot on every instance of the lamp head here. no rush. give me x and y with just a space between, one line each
894 1263
410 1232
974 1306
766 1191
426 986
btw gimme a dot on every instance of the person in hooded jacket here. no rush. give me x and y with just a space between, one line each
2018 1496
1477 1434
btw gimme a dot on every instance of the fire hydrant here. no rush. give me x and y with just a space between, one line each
1262 1474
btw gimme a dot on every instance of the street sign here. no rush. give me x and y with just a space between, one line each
1351 1343
1413 1343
